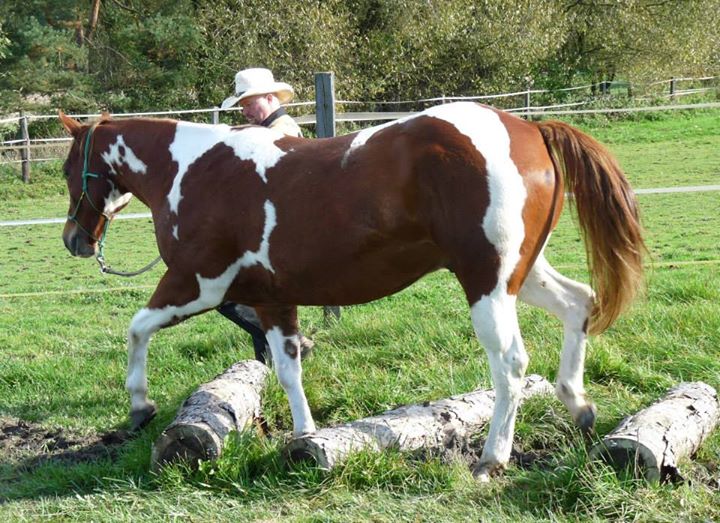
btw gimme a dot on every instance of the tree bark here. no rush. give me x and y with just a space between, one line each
655 439
432 426
93 19
229 402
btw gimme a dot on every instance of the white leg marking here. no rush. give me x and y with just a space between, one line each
143 325
571 302
495 321
289 372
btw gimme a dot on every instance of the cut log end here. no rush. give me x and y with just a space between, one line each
186 443
299 451
628 454
230 402
653 441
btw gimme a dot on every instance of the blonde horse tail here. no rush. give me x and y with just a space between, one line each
608 217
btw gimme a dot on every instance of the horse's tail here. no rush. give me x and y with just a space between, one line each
608 217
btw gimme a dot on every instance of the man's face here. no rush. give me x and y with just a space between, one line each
257 108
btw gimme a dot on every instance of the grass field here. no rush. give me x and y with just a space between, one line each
62 365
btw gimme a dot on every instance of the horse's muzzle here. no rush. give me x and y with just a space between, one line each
77 243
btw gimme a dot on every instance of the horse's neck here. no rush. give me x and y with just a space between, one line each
140 153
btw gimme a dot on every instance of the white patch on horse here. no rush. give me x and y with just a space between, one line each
363 136
503 223
257 144
119 153
262 255
175 233
116 200
212 290
193 140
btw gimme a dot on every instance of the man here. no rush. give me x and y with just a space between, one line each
261 97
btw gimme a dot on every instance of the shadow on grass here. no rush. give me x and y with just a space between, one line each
37 460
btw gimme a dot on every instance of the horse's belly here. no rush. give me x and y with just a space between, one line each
342 279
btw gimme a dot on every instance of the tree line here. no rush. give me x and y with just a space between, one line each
125 55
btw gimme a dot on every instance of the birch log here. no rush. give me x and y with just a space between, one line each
229 402
656 438
432 426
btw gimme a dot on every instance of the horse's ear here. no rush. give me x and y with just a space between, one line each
71 125
105 116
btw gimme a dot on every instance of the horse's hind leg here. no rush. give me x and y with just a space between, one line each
495 321
281 330
572 303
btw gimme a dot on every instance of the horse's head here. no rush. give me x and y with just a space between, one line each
94 197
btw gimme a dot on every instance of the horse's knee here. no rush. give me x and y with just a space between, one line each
517 359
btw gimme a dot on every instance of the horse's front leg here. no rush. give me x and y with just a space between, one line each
281 330
176 298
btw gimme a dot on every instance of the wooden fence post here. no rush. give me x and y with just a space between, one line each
215 116
25 150
325 104
325 128
672 87
527 102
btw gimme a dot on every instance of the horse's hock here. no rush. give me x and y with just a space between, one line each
229 402
654 440
432 426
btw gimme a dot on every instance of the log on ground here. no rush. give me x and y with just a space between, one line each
229 402
432 426
655 439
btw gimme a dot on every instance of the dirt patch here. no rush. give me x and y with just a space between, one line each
468 451
27 445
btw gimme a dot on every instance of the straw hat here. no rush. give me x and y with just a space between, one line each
251 82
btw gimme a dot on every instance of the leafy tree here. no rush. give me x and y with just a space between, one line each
638 39
294 38
421 48
161 54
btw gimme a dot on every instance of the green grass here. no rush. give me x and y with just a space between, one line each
62 363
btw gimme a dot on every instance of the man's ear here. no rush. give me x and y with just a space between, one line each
71 125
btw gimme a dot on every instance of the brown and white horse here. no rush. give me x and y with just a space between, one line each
249 215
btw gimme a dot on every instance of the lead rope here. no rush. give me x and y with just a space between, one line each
106 269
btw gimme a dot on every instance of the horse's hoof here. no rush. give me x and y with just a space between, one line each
483 472
141 417
586 418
